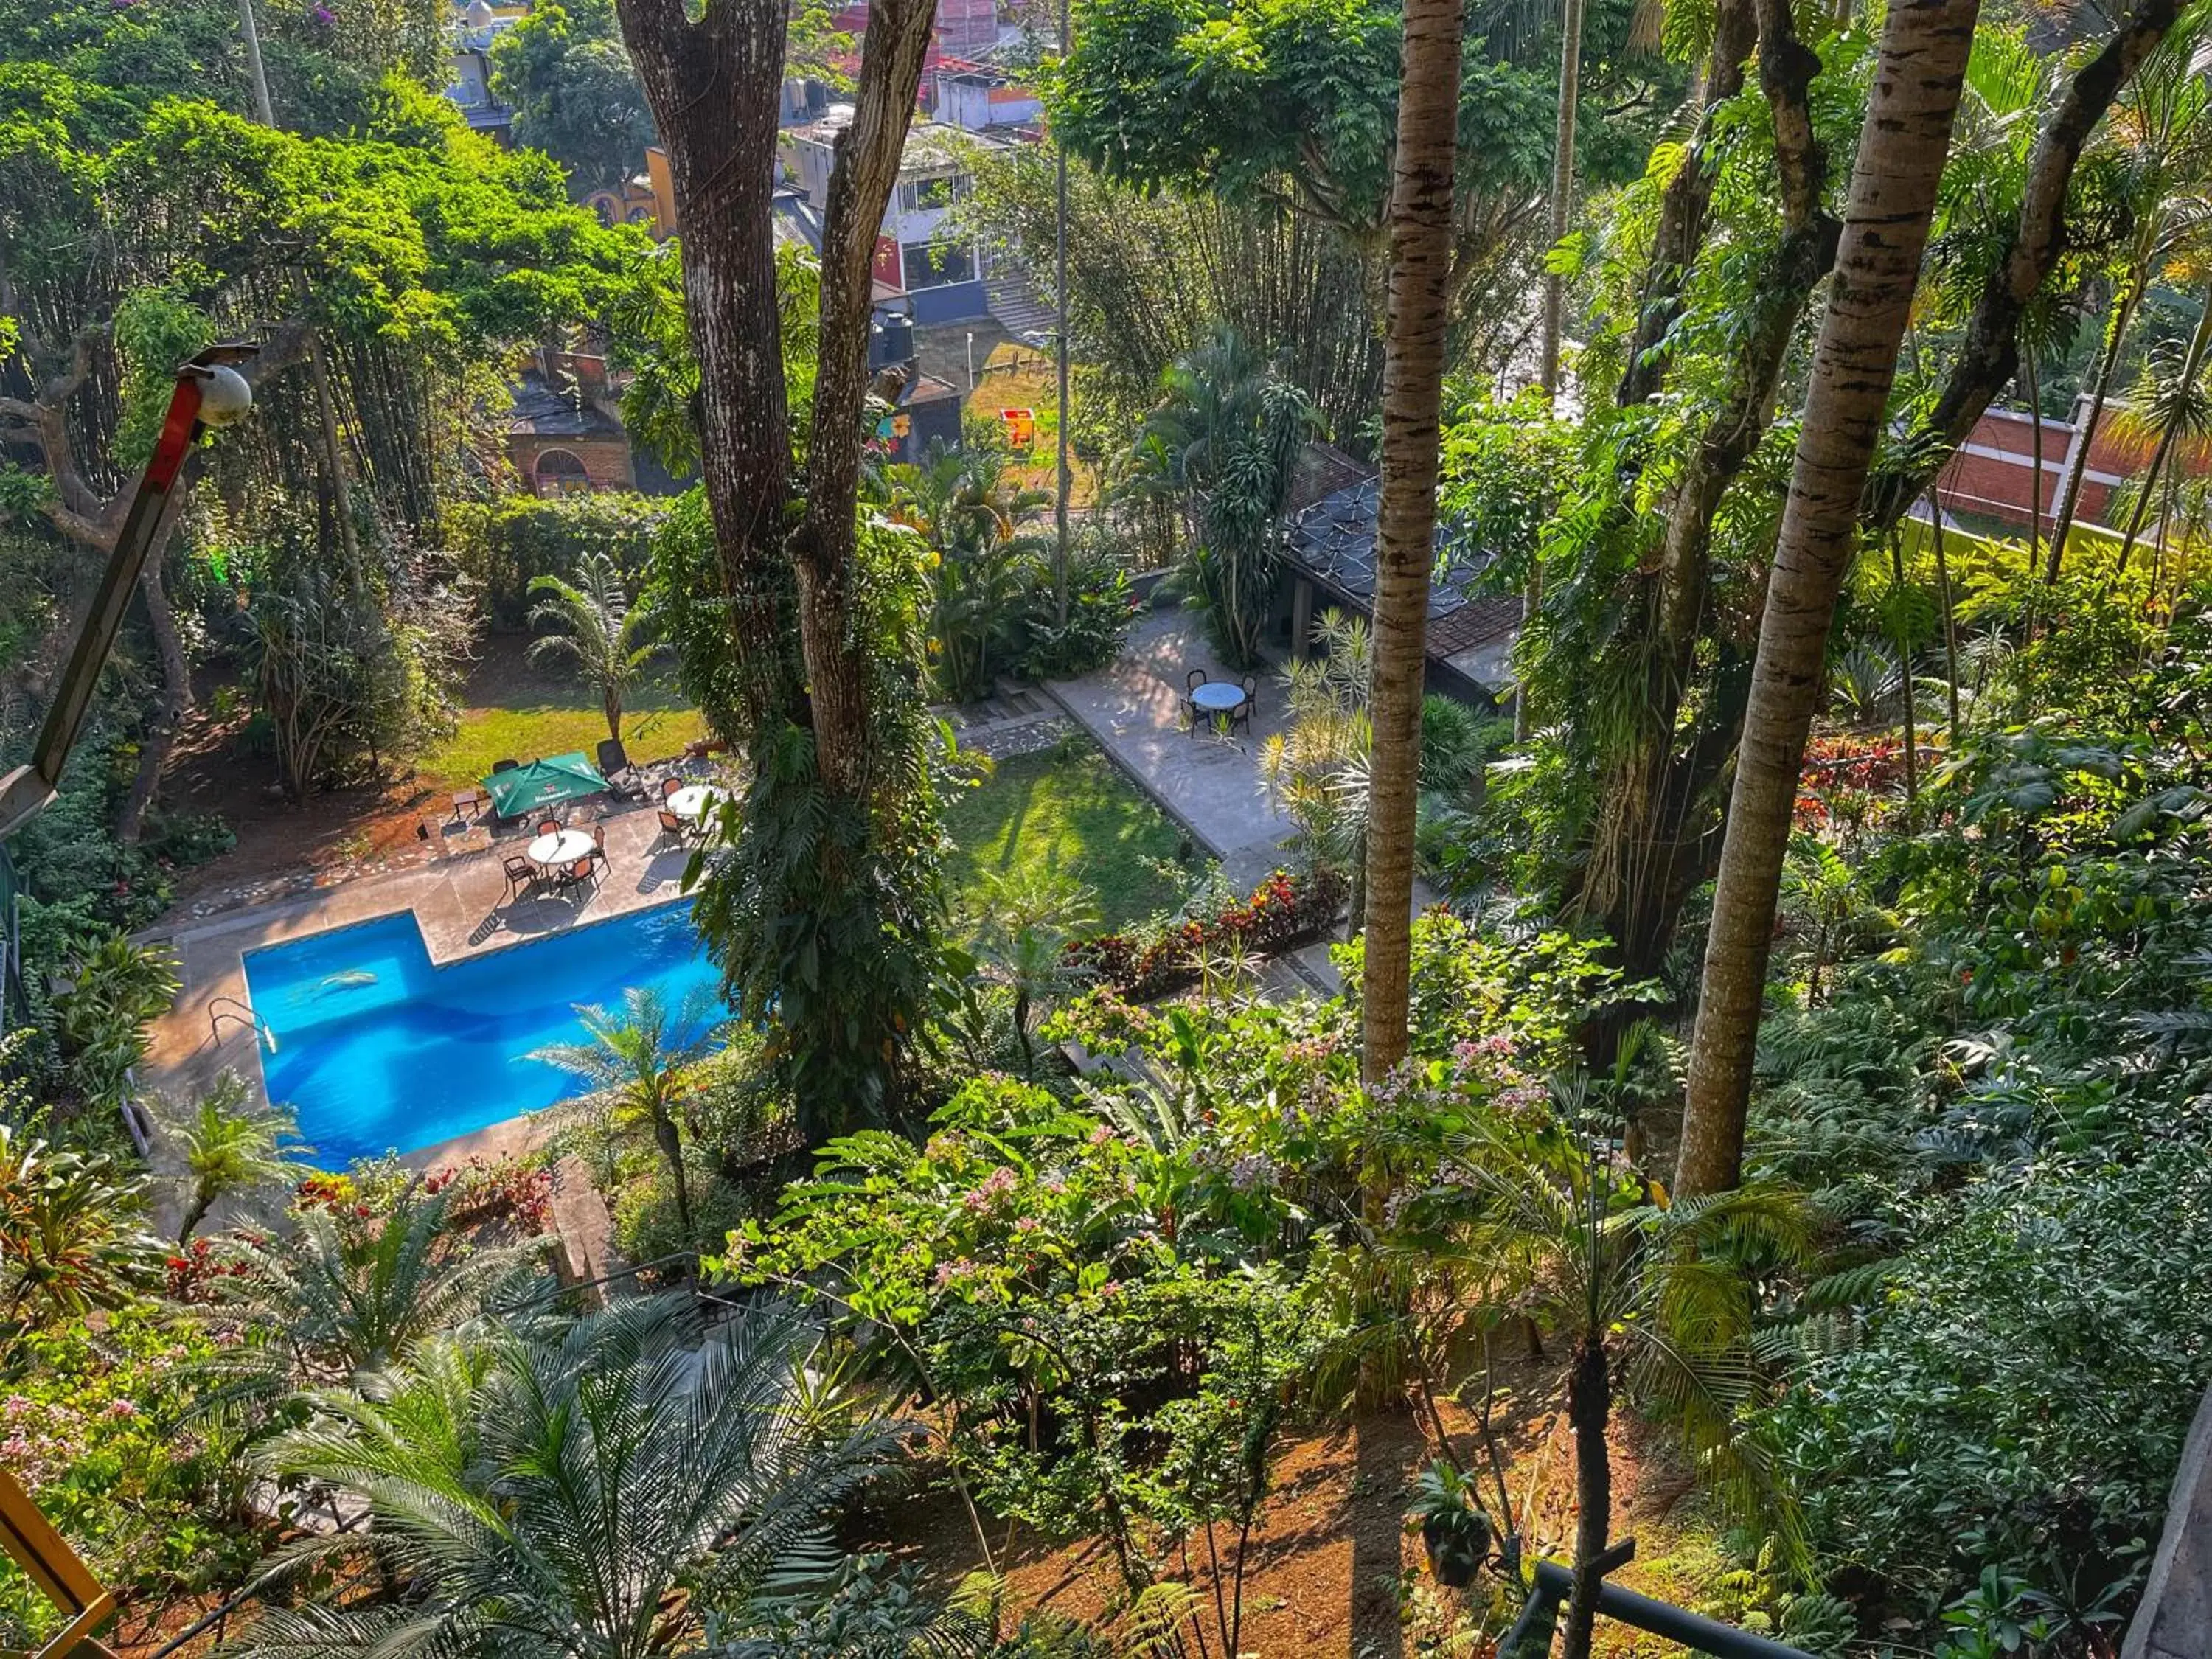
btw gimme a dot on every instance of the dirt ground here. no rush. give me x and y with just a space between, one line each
1332 1568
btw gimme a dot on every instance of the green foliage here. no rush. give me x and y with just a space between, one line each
231 1150
575 94
981 568
72 1236
117 989
1102 610
501 545
99 1433
1224 444
502 1478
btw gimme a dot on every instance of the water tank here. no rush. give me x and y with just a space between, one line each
890 340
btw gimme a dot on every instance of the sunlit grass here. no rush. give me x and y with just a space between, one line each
1066 809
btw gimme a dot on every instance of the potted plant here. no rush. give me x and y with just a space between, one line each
1454 1530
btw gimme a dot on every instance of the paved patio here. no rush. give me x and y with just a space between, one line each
1211 783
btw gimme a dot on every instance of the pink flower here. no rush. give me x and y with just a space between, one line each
119 1410
1102 1135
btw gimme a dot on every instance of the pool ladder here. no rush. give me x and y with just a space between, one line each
223 1008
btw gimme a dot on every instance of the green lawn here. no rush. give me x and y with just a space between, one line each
1066 809
518 711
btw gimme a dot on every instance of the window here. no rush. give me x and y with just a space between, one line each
560 473
926 195
935 264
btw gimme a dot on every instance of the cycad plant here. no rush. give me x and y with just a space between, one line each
71 1238
1028 916
230 1150
588 1492
1318 763
1657 1293
598 628
640 1065
339 1299
1224 444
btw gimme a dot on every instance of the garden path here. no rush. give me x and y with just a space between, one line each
1211 784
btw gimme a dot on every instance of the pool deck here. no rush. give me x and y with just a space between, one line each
456 900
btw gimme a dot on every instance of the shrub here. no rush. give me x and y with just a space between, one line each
1283 910
503 545
1101 609
2019 1397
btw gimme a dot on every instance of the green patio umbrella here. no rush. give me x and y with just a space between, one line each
543 783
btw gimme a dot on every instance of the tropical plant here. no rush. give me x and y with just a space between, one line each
968 506
345 1293
71 1236
640 1065
1655 1291
1318 764
1026 919
598 629
507 1480
230 1150
119 987
1224 443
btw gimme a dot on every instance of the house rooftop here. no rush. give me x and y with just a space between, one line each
543 411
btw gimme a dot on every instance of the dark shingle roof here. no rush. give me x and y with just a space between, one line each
1333 540
543 412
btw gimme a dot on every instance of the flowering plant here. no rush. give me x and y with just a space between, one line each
1280 911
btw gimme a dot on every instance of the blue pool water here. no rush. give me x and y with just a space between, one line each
377 1050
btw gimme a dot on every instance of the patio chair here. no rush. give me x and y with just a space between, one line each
584 872
522 877
614 767
670 785
672 827
549 826
1243 715
1191 682
597 830
498 767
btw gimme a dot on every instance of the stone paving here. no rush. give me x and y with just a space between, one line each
1208 780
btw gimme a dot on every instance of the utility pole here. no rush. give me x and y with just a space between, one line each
263 112
1059 283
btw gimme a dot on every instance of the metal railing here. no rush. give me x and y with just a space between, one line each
1554 1586
230 1008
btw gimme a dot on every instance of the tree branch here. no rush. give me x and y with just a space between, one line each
1989 356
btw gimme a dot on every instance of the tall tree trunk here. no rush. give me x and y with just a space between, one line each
1653 844
1589 1404
838 650
713 85
1902 143
2069 498
1950 615
1405 550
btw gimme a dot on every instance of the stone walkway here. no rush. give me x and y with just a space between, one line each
1211 783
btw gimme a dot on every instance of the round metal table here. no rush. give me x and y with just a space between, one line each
1218 698
564 847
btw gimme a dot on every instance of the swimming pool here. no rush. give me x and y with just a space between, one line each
376 1050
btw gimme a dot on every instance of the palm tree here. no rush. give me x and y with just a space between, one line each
339 1299
229 1149
1224 443
2174 407
577 1494
1318 763
1420 225
1654 1291
1903 142
640 1065
1028 914
601 630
